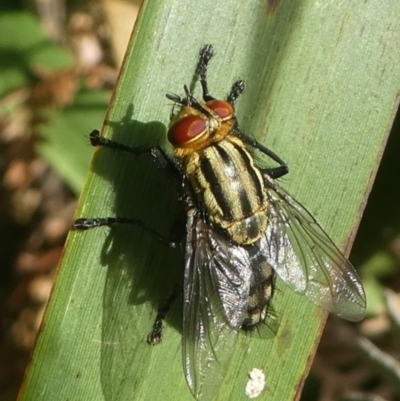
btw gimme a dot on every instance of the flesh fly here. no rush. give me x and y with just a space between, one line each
242 229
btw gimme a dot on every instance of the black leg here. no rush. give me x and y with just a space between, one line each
276 172
206 54
85 224
155 336
237 89
158 155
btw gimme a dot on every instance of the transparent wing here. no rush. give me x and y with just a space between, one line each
216 290
307 260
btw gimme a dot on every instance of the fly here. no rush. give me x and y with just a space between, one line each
242 228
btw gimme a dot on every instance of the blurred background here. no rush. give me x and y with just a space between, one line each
59 61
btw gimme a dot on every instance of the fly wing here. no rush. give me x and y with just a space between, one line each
216 289
307 260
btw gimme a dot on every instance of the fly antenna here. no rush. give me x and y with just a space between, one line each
174 98
190 99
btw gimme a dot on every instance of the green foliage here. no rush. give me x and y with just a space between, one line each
64 137
23 48
24 51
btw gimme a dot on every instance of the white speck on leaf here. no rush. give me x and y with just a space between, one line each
256 383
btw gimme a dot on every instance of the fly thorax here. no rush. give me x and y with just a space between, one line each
231 188
221 171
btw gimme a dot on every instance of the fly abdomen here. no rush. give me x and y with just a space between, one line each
231 187
258 302
261 287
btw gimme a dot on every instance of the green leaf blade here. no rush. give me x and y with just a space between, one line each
322 83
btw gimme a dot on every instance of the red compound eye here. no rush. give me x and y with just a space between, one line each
186 129
221 108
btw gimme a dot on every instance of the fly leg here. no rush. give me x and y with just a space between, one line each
206 54
155 336
87 223
275 172
158 155
236 91
161 160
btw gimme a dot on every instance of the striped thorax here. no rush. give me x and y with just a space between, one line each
220 169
